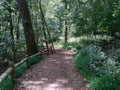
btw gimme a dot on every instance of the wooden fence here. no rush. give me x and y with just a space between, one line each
11 70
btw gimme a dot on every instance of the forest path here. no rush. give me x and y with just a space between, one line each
55 72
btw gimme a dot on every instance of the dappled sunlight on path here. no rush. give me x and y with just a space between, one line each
55 72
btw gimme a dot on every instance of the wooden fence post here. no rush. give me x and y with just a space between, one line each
28 62
13 75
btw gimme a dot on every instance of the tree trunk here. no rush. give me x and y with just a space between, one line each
12 33
60 24
28 28
45 24
18 33
12 38
66 26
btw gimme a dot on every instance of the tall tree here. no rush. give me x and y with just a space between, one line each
11 33
45 25
66 23
28 28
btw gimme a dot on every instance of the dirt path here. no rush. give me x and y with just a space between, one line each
55 72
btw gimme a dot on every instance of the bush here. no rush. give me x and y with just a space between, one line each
105 82
94 58
114 54
21 69
82 63
103 68
112 69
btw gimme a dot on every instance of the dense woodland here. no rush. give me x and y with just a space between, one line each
89 27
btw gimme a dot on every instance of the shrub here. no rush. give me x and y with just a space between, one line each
21 69
103 68
105 82
95 58
82 62
114 55
112 69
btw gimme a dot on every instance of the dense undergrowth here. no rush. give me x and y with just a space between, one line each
8 83
101 68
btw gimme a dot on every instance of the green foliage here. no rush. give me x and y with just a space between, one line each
85 18
112 69
114 54
8 12
95 17
82 63
21 69
69 47
36 59
20 55
105 82
84 42
101 69
7 84
96 58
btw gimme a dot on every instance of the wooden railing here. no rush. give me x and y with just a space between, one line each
11 70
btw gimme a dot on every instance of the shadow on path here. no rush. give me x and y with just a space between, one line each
55 72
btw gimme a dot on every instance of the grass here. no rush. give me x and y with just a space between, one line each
21 69
36 59
7 84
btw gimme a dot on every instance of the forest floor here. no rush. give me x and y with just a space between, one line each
55 72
